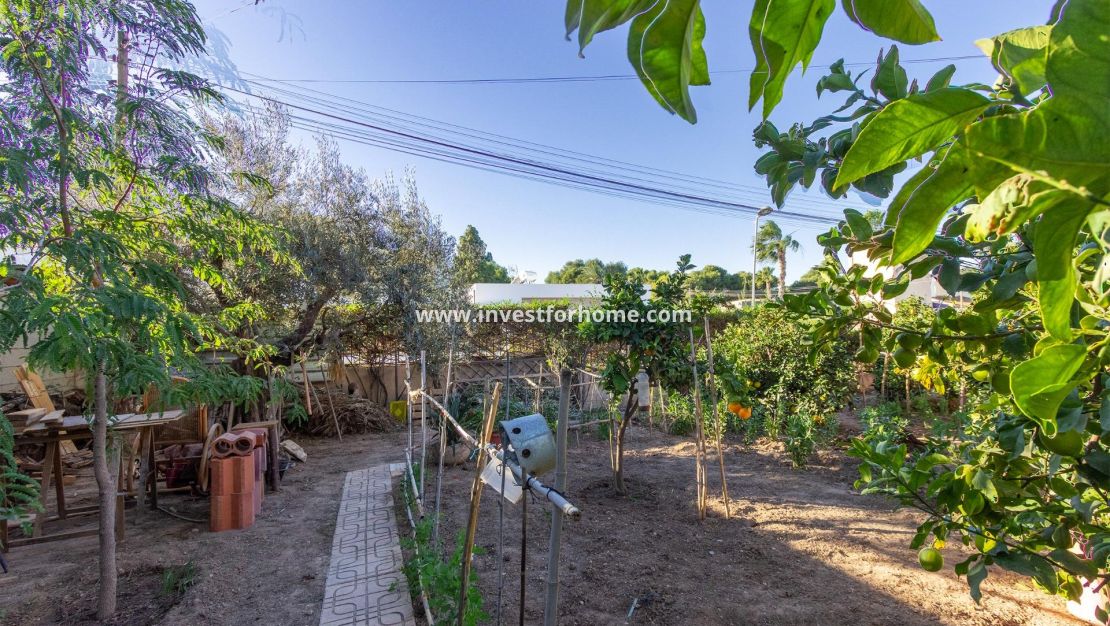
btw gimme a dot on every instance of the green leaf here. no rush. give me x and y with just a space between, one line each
591 17
1020 55
923 201
941 79
890 77
982 481
1065 141
976 574
1029 565
861 228
665 48
1054 246
949 276
783 34
1040 384
903 20
909 128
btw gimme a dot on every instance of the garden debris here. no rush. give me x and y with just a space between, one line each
292 449
352 414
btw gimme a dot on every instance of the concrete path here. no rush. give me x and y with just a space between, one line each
365 584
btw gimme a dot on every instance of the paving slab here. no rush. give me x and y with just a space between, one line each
365 584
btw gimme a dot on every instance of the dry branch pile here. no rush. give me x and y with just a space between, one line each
354 414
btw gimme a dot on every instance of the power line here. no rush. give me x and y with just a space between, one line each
587 162
423 145
524 80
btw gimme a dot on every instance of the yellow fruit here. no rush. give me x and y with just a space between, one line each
931 559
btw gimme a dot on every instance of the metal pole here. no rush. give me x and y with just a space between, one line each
755 257
551 603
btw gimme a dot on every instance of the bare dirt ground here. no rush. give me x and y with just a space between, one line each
272 573
801 549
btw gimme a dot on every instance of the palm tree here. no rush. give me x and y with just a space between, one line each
766 278
771 246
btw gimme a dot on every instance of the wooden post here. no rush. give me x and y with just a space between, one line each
717 419
475 499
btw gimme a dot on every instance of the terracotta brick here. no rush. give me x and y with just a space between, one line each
245 441
224 445
259 433
232 512
232 475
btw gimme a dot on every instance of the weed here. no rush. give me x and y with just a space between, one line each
178 578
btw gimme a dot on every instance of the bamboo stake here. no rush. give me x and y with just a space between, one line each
475 500
334 417
443 439
307 393
423 418
699 453
717 418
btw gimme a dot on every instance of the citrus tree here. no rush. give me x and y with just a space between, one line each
1011 204
107 210
637 343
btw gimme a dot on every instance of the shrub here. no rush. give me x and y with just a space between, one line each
772 353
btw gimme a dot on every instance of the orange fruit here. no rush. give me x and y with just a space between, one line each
735 408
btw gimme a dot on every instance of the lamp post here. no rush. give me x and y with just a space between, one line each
755 258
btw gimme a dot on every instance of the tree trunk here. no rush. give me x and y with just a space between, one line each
782 273
626 419
103 462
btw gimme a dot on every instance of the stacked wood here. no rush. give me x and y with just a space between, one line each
353 415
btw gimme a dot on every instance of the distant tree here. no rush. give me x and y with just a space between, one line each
713 278
809 279
744 281
645 277
771 246
474 263
875 217
588 272
765 278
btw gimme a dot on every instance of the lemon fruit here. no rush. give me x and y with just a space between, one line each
931 559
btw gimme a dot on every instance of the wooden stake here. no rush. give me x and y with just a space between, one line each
699 452
334 417
717 418
423 418
307 392
475 499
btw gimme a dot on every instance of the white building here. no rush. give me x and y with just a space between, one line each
523 293
927 287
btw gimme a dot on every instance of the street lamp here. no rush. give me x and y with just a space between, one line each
755 258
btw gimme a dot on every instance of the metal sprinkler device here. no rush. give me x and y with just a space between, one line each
531 444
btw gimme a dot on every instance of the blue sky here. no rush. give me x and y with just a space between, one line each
535 226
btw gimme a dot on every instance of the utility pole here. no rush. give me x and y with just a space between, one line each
755 258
